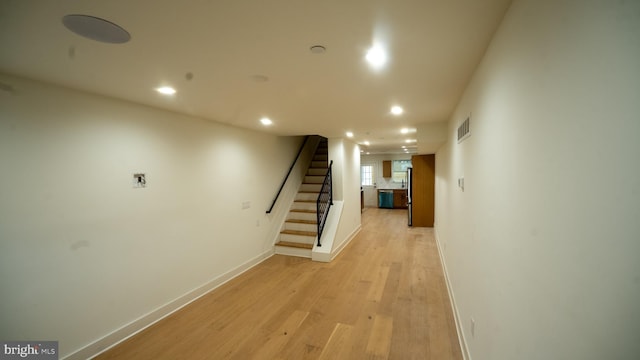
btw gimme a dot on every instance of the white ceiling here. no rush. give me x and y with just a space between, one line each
433 45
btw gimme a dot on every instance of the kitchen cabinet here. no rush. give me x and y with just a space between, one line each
386 168
399 198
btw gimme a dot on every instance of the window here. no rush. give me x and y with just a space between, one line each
366 175
399 170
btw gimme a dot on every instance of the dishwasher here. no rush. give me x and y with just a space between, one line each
385 199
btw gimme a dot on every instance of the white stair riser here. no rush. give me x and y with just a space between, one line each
289 251
307 196
314 179
317 171
304 206
298 238
311 187
300 226
302 216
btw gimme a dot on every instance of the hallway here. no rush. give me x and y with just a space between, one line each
383 297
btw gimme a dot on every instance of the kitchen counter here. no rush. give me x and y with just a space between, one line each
392 198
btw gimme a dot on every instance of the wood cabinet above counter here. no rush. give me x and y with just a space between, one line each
386 168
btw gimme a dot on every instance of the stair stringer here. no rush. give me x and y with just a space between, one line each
329 249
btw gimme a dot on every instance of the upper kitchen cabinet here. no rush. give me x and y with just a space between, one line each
386 168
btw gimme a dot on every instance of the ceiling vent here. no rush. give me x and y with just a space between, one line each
96 28
464 131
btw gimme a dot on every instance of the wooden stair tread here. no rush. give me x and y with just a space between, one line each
305 201
299 232
295 245
298 221
309 192
304 211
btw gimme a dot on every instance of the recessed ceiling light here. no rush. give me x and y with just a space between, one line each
266 121
376 57
397 110
404 147
410 141
349 134
368 153
166 90
404 130
95 28
366 143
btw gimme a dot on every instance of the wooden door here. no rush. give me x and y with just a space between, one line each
424 184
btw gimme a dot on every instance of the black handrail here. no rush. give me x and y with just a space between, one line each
324 202
289 173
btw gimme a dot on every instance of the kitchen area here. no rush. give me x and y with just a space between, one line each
390 196
389 181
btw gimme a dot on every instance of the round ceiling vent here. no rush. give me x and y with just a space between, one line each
96 28
318 49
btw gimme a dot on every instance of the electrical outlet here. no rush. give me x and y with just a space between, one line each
473 328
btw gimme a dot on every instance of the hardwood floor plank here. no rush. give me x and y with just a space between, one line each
383 297
380 338
336 346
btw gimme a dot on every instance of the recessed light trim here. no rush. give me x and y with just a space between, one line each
318 49
349 134
376 57
266 121
404 131
367 143
166 90
397 110
95 28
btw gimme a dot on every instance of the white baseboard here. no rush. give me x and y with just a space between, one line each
114 338
344 244
463 341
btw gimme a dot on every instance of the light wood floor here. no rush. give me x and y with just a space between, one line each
383 297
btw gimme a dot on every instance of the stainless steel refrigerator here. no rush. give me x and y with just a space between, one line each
410 194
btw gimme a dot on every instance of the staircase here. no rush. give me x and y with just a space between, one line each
300 230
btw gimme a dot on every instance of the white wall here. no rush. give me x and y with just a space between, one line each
431 136
82 253
346 174
542 248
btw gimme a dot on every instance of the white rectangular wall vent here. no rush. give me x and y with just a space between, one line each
464 131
